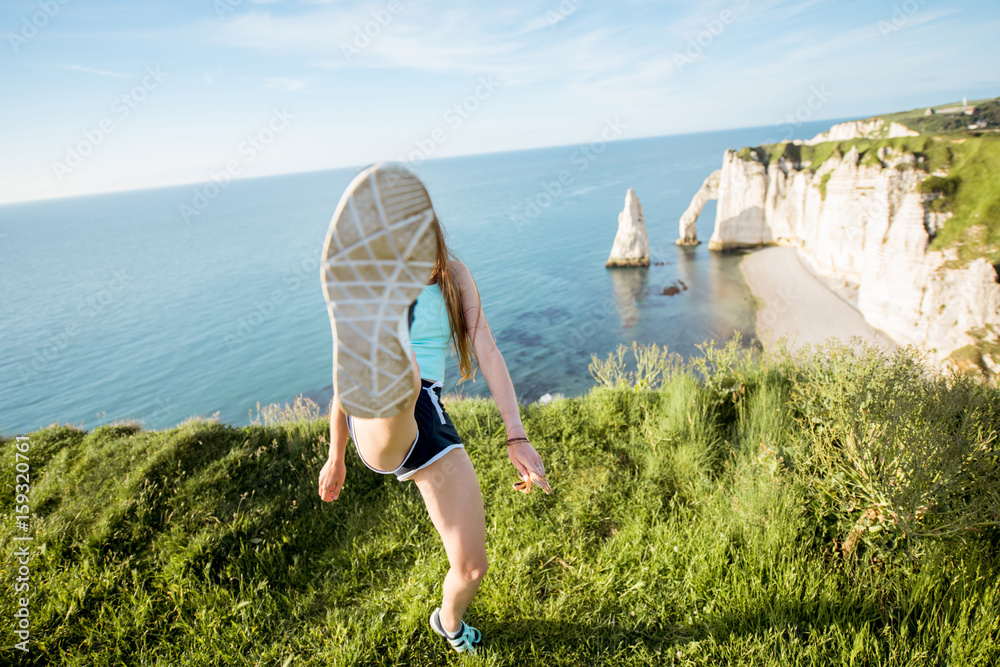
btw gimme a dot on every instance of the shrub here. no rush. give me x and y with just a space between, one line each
898 454
653 365
302 409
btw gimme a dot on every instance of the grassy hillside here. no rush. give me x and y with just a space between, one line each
835 508
947 119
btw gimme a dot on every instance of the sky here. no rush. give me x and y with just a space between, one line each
101 96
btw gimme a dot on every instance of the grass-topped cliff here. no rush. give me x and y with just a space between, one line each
962 167
950 118
834 508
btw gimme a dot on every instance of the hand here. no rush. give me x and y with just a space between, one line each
524 457
331 479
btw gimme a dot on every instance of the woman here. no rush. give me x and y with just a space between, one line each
396 300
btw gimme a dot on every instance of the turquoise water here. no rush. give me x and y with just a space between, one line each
114 307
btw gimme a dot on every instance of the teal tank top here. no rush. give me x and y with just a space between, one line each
430 334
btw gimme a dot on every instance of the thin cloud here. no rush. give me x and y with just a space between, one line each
101 72
458 41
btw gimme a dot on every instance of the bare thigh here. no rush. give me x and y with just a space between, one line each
455 503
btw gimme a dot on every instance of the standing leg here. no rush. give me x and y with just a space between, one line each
455 504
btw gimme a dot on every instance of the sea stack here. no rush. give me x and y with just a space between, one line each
708 191
631 247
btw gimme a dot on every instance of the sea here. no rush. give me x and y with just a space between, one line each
199 300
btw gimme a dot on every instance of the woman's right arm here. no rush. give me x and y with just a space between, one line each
331 478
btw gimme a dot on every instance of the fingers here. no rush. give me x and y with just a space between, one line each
539 466
542 482
521 470
533 461
524 485
329 491
532 464
331 481
528 464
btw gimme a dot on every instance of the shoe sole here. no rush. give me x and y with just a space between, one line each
378 255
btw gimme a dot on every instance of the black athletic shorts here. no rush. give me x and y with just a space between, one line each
436 435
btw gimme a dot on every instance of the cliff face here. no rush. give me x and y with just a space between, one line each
873 128
866 224
708 191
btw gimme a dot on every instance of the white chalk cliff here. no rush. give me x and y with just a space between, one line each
873 128
631 246
866 226
708 191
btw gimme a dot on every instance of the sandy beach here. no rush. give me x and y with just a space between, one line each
799 306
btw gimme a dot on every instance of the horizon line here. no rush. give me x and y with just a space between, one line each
15 202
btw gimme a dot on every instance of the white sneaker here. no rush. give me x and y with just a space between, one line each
378 255
466 641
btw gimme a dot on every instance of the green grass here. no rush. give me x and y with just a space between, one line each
823 183
700 520
948 123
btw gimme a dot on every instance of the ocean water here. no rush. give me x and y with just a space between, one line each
116 307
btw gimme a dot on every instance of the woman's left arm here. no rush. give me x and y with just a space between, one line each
521 454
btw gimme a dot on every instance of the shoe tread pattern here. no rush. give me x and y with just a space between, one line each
378 256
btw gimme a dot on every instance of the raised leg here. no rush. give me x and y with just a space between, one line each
379 254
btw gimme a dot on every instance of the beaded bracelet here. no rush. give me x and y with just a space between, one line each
516 440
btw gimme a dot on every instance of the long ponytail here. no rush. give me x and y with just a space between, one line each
444 276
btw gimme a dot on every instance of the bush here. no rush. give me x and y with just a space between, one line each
301 410
898 455
942 185
652 365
